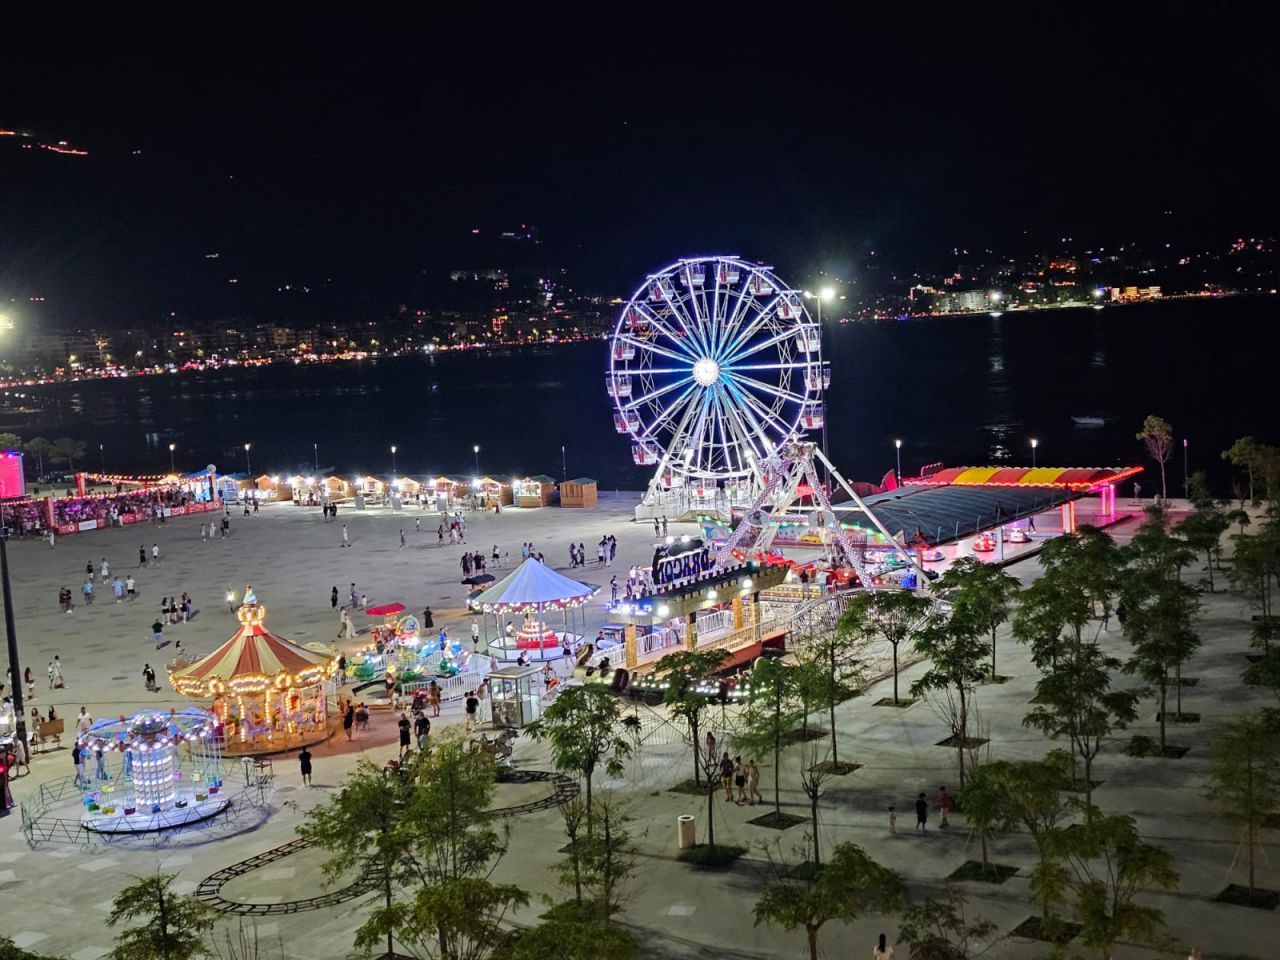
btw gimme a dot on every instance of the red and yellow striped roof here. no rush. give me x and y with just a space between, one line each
1070 478
253 654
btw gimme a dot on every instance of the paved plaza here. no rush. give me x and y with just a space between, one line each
56 898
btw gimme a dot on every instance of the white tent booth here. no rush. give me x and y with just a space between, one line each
521 604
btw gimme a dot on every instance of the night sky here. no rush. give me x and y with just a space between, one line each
356 159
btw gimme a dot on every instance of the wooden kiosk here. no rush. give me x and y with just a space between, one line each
539 491
578 493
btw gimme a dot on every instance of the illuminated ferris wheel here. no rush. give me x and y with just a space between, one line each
713 364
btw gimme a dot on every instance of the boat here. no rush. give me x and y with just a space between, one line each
1089 421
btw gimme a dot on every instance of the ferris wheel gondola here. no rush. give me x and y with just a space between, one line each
713 364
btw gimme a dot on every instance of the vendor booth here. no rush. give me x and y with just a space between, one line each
578 493
539 491
493 492
515 700
268 693
519 604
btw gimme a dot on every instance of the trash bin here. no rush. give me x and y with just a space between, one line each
684 831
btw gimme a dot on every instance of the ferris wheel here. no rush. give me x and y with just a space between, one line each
713 364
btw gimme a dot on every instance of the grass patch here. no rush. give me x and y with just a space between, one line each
1150 747
901 704
1260 898
835 768
709 857
690 787
802 735
574 912
998 678
1181 718
777 821
991 873
969 742
1058 931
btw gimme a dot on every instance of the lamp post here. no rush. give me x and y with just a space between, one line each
315 451
11 636
476 451
1034 443
102 459
897 444
247 467
1186 483
172 447
393 461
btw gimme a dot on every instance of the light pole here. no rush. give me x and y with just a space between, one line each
393 461
247 467
315 450
1034 443
172 447
102 459
11 637
897 444
1186 484
476 451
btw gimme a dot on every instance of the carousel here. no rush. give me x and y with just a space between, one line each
531 592
269 694
169 771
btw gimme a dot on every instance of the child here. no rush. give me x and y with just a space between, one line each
893 822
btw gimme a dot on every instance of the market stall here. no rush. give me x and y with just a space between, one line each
269 693
578 493
537 491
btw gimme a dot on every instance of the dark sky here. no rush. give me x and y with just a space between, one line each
356 157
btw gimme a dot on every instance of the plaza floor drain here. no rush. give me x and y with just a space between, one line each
119 678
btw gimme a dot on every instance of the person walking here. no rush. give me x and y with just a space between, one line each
346 629
740 780
726 775
475 636
402 538
106 570
77 760
922 814
149 678
333 598
473 705
882 951
30 678
753 783
348 720
155 553
421 729
440 535
944 806
87 589
117 588
157 633
346 538
131 587
404 725
433 698
417 524
142 555
304 766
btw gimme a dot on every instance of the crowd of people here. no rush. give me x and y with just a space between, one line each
31 517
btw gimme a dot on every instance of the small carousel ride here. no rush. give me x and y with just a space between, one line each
154 786
533 590
269 694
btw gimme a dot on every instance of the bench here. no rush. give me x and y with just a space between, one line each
50 730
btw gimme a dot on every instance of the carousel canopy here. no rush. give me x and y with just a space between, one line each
385 610
533 585
253 660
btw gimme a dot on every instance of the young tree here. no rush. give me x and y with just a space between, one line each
1080 572
608 859
1109 865
9 441
1203 530
833 676
567 940
173 926
68 451
1074 700
769 716
957 653
569 870
1159 628
850 884
456 918
813 778
1255 568
1245 778
40 448
1157 434
938 929
684 676
888 615
984 593
583 727
1246 453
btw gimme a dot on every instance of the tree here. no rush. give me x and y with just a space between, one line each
40 448
937 928
11 951
1203 530
173 927
583 727
1245 778
888 615
1074 700
683 675
1109 865
1255 567
1080 572
813 778
608 859
456 918
957 655
850 884
1245 452
828 659
1157 434
567 940
768 717
10 441
984 592
68 451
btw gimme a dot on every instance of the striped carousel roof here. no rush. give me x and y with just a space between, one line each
1068 478
254 653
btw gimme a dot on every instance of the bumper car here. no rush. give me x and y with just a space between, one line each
1018 535
984 544
932 555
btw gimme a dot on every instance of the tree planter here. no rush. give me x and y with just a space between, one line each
711 858
691 788
986 681
1033 928
1149 747
969 742
991 873
802 736
839 769
1181 718
777 821
1260 899
902 704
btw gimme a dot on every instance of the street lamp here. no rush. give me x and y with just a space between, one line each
1186 485
315 450
897 444
172 447
11 640
102 459
393 461
247 467
1034 443
476 451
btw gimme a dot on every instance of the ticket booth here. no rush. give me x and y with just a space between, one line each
515 704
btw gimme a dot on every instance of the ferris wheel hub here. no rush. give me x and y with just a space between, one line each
706 372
